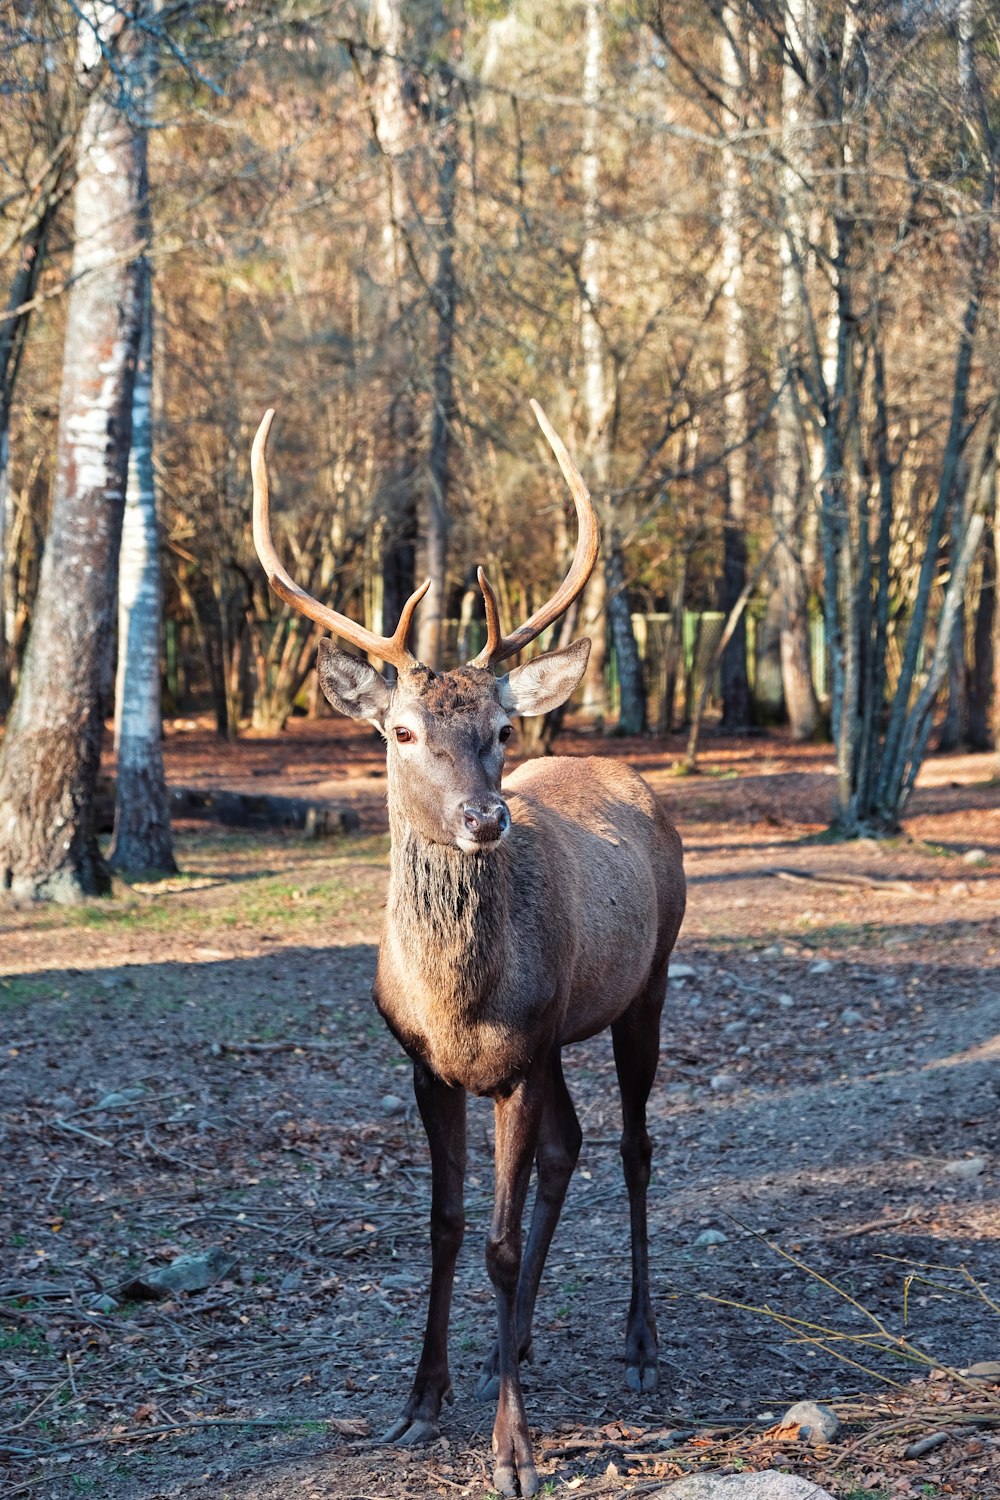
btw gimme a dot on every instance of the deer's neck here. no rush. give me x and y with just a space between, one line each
450 912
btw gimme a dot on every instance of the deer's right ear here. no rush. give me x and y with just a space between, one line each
351 686
545 681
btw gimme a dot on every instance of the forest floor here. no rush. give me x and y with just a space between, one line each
196 1063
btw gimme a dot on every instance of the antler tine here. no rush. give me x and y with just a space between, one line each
392 649
498 647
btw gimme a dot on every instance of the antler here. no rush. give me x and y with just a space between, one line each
389 648
498 646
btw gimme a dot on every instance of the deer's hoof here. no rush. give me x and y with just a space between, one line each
643 1379
409 1433
511 1482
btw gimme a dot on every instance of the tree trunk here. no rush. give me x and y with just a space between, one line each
736 712
981 676
432 609
13 333
594 705
790 483
51 752
392 130
141 839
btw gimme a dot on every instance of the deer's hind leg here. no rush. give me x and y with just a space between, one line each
559 1139
636 1037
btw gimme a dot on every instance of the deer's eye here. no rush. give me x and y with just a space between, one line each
403 735
505 734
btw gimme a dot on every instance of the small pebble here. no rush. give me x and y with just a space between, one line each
392 1105
850 1017
711 1237
683 971
971 1166
722 1083
786 1002
975 857
817 1424
821 966
735 1028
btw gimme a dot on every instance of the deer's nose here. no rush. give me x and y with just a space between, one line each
486 821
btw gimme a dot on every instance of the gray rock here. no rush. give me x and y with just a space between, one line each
711 1237
975 857
768 1484
983 1372
121 1097
188 1273
392 1105
683 971
821 966
786 1002
970 1166
735 1028
816 1424
722 1083
850 1017
102 1303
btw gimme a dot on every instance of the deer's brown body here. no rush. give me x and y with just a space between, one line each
519 920
487 960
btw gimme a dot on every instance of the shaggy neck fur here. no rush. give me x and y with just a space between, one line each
450 912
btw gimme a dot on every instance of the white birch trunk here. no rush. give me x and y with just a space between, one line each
398 499
735 686
790 483
51 751
595 396
142 819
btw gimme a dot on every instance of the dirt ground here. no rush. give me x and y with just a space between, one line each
197 1063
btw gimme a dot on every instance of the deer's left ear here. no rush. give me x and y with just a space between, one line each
546 681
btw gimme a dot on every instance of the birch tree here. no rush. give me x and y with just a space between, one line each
141 839
51 751
735 685
790 481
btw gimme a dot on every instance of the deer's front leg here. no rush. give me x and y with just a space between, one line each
442 1110
517 1123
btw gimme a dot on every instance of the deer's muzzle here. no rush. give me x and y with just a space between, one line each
485 822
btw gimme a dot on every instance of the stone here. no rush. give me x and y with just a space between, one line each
188 1273
983 1372
120 1097
810 1422
392 1105
821 966
711 1237
786 1002
975 857
850 1017
970 1166
722 1083
768 1484
735 1028
682 971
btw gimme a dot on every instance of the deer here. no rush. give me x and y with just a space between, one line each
523 915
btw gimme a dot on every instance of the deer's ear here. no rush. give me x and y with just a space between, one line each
351 686
546 681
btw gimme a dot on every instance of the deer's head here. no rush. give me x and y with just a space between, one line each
445 732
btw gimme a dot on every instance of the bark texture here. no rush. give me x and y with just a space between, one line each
50 755
736 710
789 480
142 821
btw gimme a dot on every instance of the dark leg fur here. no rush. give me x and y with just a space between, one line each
559 1140
636 1037
442 1110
